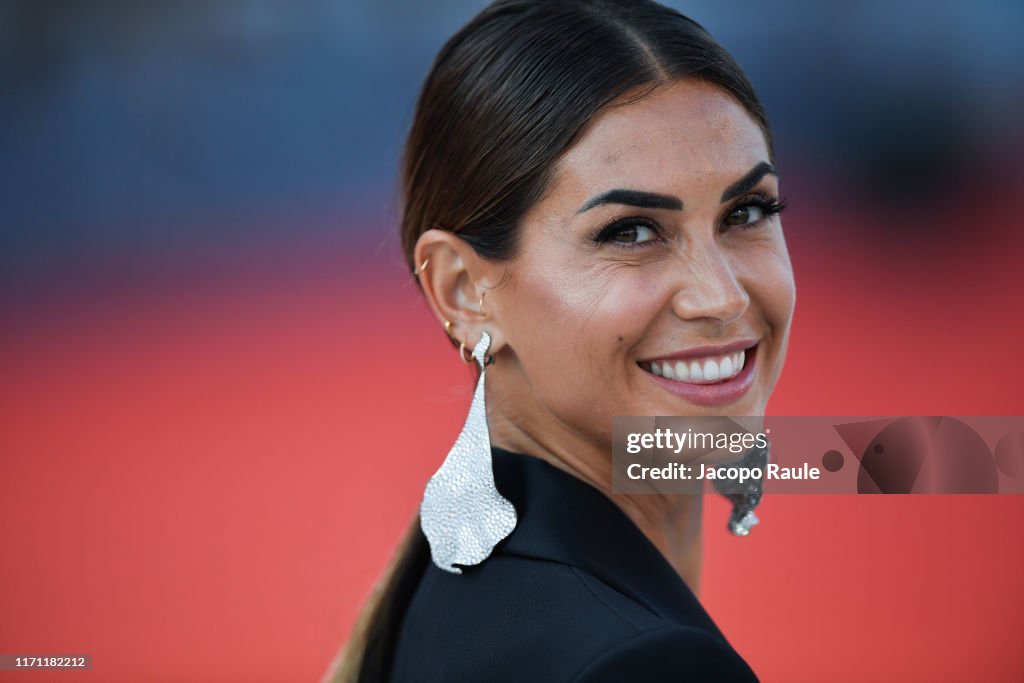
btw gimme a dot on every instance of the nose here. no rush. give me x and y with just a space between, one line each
710 288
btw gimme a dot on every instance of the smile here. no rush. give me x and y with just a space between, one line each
700 370
709 376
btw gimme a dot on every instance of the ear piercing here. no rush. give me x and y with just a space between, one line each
466 358
462 353
463 515
419 270
448 324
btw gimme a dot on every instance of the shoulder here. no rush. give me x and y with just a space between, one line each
529 594
524 599
568 623
670 653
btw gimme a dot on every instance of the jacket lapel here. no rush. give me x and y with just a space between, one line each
564 519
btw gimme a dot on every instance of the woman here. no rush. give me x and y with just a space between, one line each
590 208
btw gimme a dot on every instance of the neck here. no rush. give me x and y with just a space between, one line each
671 522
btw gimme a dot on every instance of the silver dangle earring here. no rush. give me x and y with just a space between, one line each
746 496
462 514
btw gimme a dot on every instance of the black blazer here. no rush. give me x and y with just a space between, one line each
576 593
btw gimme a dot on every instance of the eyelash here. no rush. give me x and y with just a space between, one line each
769 206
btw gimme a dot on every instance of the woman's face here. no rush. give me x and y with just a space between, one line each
653 268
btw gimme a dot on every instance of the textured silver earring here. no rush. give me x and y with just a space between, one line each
462 514
746 496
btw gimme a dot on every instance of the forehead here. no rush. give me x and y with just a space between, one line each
685 136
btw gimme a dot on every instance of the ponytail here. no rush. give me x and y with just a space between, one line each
366 657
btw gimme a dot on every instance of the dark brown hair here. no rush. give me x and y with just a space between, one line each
514 89
506 97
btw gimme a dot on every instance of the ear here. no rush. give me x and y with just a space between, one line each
455 281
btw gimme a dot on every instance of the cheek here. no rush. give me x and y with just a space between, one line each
571 332
768 276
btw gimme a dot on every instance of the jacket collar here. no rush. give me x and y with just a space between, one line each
563 519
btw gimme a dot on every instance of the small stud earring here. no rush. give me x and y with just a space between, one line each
482 311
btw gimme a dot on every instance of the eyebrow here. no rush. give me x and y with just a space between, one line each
747 182
644 200
652 200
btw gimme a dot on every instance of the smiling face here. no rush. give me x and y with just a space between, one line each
653 276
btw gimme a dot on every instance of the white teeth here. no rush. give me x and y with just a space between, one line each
696 373
711 369
682 371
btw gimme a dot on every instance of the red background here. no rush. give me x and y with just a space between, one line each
207 461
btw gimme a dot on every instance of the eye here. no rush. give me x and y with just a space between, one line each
752 211
634 234
744 215
628 232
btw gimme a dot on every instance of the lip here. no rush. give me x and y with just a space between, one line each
701 351
720 393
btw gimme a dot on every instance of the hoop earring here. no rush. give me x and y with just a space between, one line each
488 359
463 515
419 269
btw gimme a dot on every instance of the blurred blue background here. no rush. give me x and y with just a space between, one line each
167 126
